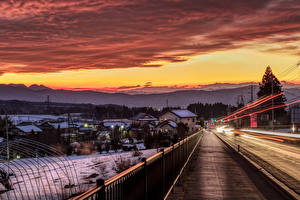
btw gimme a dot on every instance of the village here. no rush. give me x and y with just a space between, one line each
73 134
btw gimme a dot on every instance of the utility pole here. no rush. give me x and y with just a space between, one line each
48 103
251 93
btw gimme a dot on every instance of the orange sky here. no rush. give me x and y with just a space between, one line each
113 44
233 66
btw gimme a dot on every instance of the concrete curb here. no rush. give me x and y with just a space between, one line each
278 185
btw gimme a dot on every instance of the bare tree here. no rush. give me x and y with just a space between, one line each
4 179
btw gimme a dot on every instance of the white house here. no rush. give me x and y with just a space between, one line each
143 118
184 116
28 129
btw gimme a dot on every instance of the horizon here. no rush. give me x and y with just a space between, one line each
149 89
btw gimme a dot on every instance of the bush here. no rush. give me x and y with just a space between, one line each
137 153
122 164
4 179
65 149
85 149
100 167
99 146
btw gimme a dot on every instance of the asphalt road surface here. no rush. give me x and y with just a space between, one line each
280 159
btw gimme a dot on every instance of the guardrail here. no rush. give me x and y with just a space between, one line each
150 179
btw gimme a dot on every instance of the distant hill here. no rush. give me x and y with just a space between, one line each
182 98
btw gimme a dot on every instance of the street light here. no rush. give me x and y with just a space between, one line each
293 128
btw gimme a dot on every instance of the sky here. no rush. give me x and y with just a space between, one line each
118 45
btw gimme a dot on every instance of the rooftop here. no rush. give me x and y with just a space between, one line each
29 128
183 113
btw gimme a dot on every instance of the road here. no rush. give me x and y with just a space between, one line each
280 159
216 173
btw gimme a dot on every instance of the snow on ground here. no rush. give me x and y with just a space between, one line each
89 165
58 178
16 119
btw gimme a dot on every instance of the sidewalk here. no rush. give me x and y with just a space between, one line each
214 174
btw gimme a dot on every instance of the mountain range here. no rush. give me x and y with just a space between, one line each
182 98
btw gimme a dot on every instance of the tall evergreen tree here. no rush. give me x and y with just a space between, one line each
269 80
270 85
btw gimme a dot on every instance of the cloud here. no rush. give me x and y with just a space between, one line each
51 36
148 84
128 87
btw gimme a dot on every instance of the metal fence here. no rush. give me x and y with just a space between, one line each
150 179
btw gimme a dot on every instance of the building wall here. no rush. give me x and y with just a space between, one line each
167 128
190 122
169 116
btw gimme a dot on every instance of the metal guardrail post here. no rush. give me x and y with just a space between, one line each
182 153
163 172
101 192
145 178
173 167
186 150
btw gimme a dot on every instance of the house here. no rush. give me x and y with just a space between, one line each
17 119
184 116
167 126
45 126
27 129
111 123
143 118
61 125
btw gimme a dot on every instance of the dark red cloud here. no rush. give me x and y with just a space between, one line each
55 35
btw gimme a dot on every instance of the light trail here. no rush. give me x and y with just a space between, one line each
272 133
258 136
264 110
252 105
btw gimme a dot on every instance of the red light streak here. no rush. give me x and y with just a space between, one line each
252 105
272 137
264 110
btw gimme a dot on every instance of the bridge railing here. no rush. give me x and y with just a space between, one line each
150 179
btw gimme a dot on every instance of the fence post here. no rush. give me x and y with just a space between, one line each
145 178
186 149
101 192
173 167
163 172
182 153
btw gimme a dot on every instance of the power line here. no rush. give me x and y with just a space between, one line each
289 70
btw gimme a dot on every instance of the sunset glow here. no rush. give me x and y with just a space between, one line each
118 44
